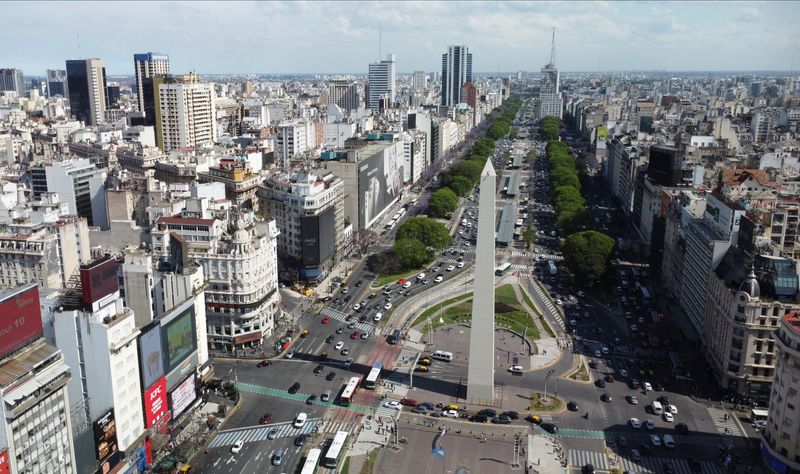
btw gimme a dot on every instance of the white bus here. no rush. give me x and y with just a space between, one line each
390 224
312 459
335 450
503 269
349 391
372 378
442 355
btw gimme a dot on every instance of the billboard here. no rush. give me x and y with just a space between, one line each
318 235
20 318
155 402
151 355
183 396
380 181
105 435
602 133
4 467
183 369
178 335
98 279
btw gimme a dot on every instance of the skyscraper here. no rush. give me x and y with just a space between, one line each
419 81
146 67
381 82
184 109
456 71
11 80
56 82
344 93
86 81
550 103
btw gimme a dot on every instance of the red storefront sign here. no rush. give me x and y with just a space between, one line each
4 467
155 402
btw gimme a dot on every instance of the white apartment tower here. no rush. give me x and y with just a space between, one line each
293 139
381 82
148 66
420 81
456 71
550 103
185 113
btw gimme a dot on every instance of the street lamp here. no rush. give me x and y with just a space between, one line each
546 379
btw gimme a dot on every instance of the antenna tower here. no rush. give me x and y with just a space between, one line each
380 40
553 49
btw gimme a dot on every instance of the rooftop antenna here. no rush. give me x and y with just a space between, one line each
380 39
80 56
553 49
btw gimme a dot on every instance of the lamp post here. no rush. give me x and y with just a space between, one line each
546 379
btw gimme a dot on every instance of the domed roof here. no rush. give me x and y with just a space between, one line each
750 285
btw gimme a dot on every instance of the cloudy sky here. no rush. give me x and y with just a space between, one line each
329 37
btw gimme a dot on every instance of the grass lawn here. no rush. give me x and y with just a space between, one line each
529 302
433 309
517 321
505 294
386 279
346 466
369 464
552 403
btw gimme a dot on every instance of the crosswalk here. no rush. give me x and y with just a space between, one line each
728 428
339 316
646 464
387 412
549 305
335 426
580 458
254 434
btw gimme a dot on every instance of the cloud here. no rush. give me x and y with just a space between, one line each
749 14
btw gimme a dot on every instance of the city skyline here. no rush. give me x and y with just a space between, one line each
341 37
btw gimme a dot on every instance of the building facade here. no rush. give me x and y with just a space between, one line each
185 112
456 71
57 83
146 67
86 83
550 101
78 182
11 80
381 82
344 93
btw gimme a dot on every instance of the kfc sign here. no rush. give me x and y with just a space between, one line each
155 402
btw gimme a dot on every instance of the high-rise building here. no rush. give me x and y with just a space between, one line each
146 67
550 103
11 80
185 113
57 83
78 182
456 71
35 417
344 93
293 138
419 81
86 82
381 82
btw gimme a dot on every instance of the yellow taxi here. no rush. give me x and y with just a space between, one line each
421 368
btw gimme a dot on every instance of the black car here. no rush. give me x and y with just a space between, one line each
502 420
329 339
311 399
339 330
658 387
264 363
667 468
300 440
682 428
479 418
488 412
319 368
359 283
294 388
588 469
634 383
600 383
550 427
663 399
330 376
511 414
605 397
572 406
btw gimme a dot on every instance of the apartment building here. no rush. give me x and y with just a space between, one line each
185 112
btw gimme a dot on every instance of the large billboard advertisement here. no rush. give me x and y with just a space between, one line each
151 355
105 435
4 467
20 318
318 235
183 396
178 336
98 279
380 181
155 402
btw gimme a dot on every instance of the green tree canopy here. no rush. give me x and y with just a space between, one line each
428 231
498 130
410 253
471 169
461 185
587 255
443 201
549 128
483 146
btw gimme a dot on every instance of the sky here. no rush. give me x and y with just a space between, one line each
342 37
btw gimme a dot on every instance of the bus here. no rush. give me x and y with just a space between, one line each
551 267
503 269
335 451
374 375
349 391
312 459
442 355
390 224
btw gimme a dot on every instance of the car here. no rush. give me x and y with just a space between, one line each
672 409
237 446
348 362
339 330
326 320
294 388
364 335
265 419
572 406
647 387
632 399
488 412
425 281
658 387
392 404
515 369
438 279
330 376
345 351
424 361
663 399
357 307
421 276
600 383
666 468
319 368
597 353
623 373
535 419
273 433
550 427
359 283
264 363
622 441
635 455
682 428
655 440
355 335
450 268
289 354
277 458
421 368
651 425
339 345
635 423
351 325
329 339
501 420
587 469
300 440
460 264
387 306
450 413
409 402
345 290
593 364
605 397
668 417
479 418
300 420
634 384
511 414
436 269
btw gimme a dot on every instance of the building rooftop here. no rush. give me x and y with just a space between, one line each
24 361
184 221
505 233
793 320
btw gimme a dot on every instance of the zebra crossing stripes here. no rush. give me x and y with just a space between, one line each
339 316
336 426
549 304
386 411
729 429
260 433
580 458
651 465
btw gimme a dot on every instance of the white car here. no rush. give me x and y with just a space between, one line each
377 317
558 302
668 417
438 279
597 353
647 387
450 414
450 268
623 373
338 345
606 350
466 244
387 306
392 404
421 276
635 423
300 420
356 307
651 425
460 264
407 284
672 409
515 369
655 440
237 446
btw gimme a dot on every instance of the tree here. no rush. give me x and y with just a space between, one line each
471 169
498 130
365 238
512 133
528 236
443 201
428 231
587 255
461 185
410 253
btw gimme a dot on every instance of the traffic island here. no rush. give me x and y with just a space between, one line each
581 374
542 404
